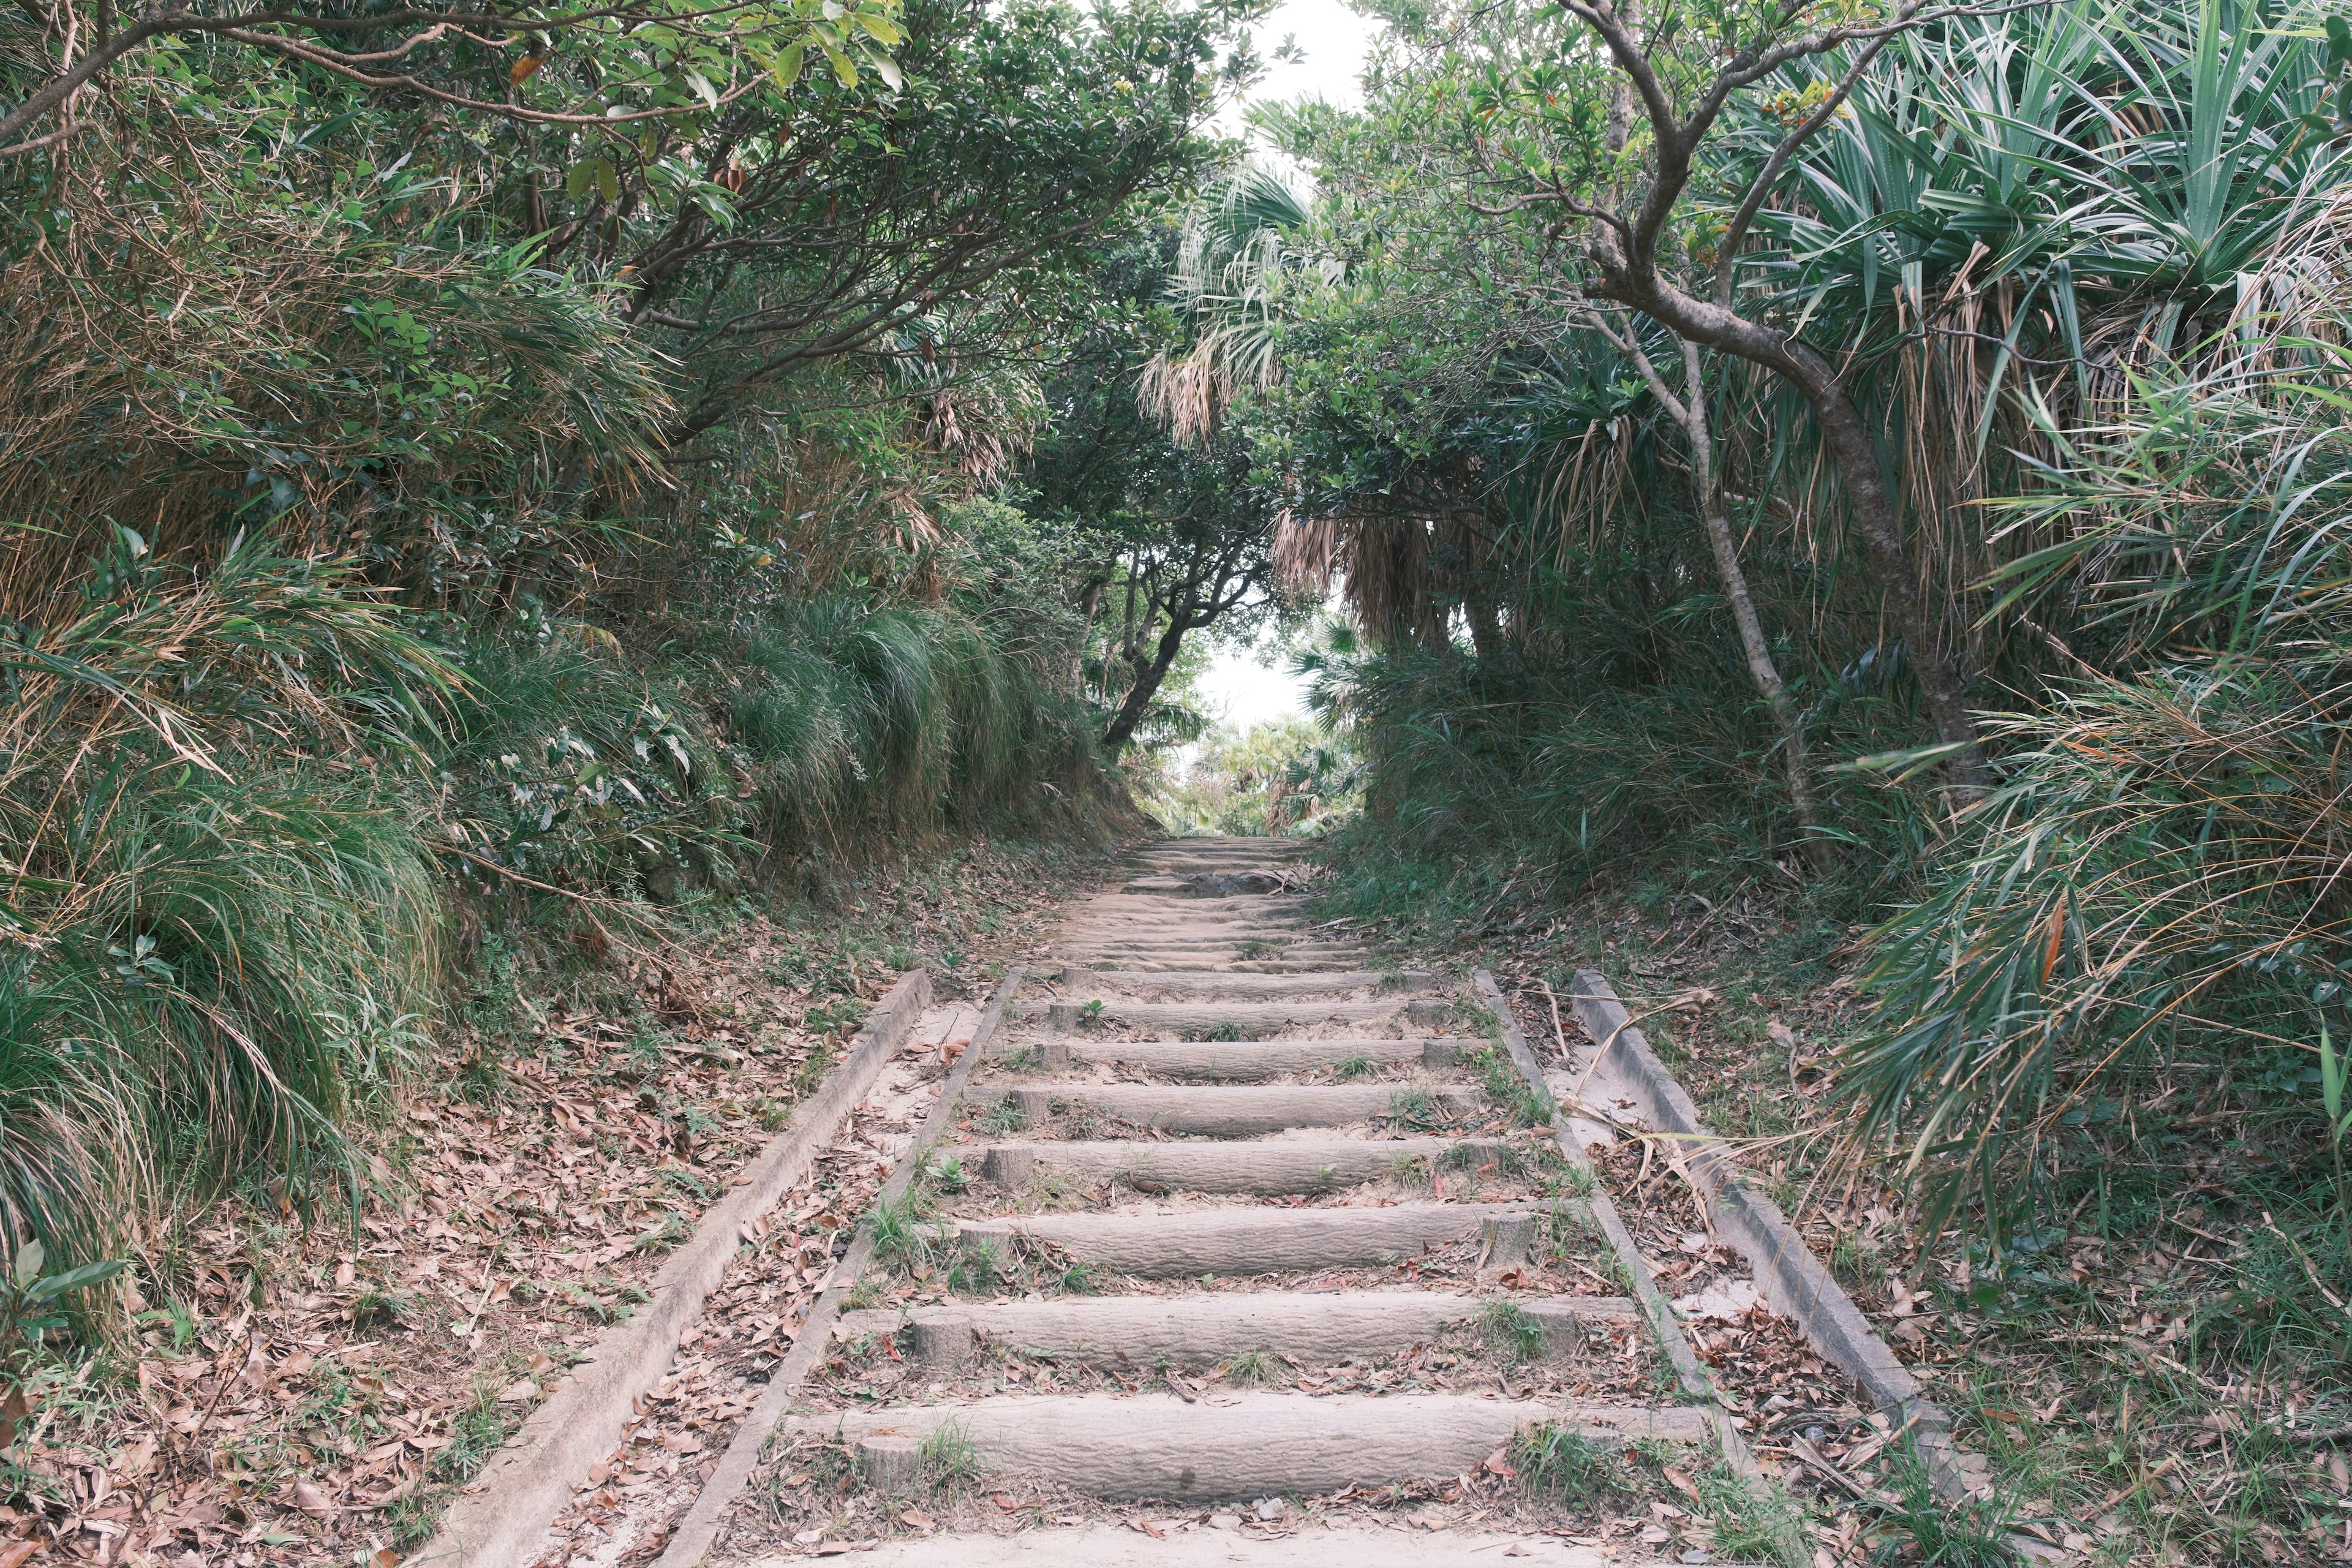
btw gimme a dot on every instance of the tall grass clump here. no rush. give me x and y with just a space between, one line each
2156 891
899 718
221 922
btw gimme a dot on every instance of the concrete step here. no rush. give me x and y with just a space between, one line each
1221 882
1314 1546
1221 1110
1138 925
1241 1061
1221 932
1250 1020
1233 1242
1146 985
1277 1166
1246 1445
1311 1329
1180 964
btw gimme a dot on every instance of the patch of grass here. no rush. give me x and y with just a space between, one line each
813 1069
1250 1369
1409 1171
1258 947
949 1460
946 1173
1416 1107
1567 1232
693 1184
839 1016
476 1430
1507 1329
666 1236
1500 1076
1349 1067
1754 1522
1224 1030
1002 1115
1939 1534
905 1236
380 1307
977 1266
1561 1464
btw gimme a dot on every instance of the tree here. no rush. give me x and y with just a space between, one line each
623 63
1682 73
1690 411
820 224
1188 525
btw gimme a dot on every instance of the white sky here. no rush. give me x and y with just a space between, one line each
1250 685
1335 39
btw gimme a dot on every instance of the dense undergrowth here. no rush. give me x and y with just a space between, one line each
404 573
2087 265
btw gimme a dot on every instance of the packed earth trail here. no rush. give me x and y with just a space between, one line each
1222 1241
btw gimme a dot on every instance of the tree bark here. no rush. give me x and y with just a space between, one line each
1760 664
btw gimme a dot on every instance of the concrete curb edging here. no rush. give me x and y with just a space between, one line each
1792 1278
503 1517
700 1529
1667 1328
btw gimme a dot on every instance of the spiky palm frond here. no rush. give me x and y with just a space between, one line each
1236 264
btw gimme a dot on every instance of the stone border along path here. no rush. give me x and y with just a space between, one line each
503 1515
1270 1186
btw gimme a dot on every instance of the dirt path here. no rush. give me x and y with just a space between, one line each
1229 1245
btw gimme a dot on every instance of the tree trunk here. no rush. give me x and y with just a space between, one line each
1760 666
1848 440
1690 411
1486 626
1147 685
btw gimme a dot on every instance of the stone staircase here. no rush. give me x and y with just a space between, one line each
1229 1217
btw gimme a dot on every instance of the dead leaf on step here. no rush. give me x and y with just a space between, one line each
917 1518
311 1501
1147 1527
1681 1482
